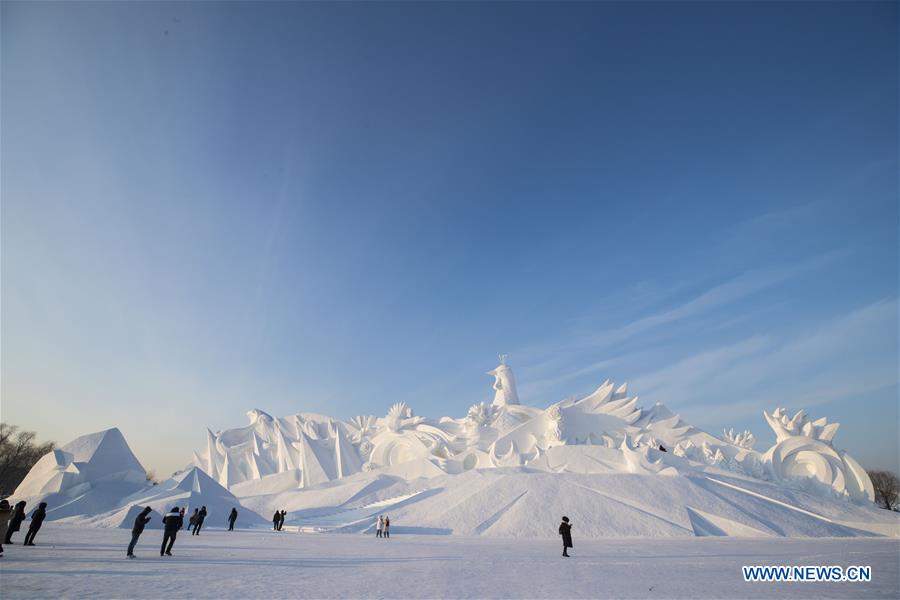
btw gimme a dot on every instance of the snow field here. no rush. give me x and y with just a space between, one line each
77 562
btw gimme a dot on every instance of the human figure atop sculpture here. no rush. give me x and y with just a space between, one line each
504 384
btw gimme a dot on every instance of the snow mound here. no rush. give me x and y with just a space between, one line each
520 502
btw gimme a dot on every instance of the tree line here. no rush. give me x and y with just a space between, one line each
19 451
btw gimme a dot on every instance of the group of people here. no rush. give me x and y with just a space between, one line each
383 527
11 521
196 520
173 522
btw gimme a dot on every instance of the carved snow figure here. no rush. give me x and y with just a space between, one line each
314 448
504 384
803 452
744 440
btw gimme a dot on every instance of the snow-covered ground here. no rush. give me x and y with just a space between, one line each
72 561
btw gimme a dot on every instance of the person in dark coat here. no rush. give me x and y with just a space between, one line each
565 530
182 516
193 518
37 519
173 522
15 523
198 522
6 513
231 519
387 527
139 521
281 520
275 519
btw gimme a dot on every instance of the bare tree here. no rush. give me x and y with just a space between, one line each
18 453
887 488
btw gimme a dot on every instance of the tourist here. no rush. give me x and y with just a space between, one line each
37 519
275 519
173 522
231 519
387 527
198 522
182 517
193 518
565 530
142 519
281 520
15 522
6 513
379 526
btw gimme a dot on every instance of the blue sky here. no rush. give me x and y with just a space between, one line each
333 207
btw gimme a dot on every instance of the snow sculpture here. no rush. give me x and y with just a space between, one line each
504 384
744 440
316 446
803 453
87 461
307 449
401 459
89 474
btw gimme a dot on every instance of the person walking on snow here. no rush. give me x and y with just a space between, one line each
276 518
565 530
173 522
379 526
387 527
6 514
232 517
15 522
139 521
193 518
198 522
37 519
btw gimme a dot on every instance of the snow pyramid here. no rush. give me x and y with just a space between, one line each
190 490
88 475
193 489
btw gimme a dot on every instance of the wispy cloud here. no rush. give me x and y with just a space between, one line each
853 352
734 290
534 388
606 343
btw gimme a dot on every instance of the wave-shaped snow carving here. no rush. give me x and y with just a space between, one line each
803 453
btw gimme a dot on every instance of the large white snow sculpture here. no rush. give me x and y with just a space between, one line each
616 468
306 449
803 452
89 474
